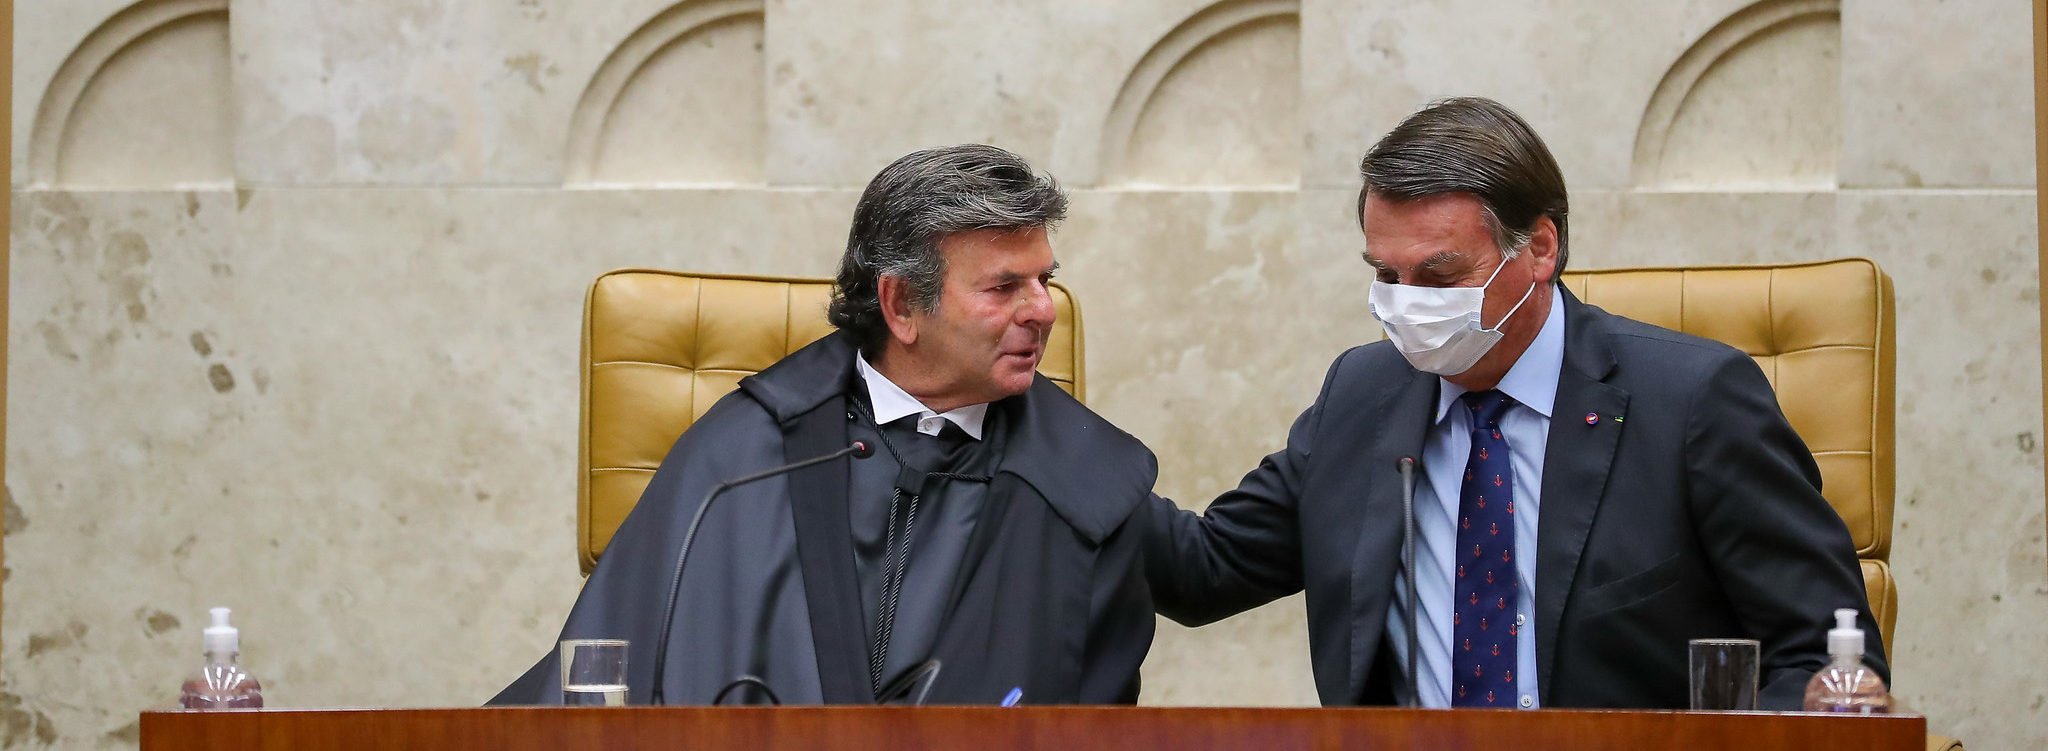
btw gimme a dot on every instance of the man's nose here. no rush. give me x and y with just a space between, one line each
1037 309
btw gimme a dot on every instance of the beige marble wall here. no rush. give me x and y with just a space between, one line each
296 287
6 216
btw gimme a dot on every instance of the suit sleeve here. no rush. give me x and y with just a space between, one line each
1245 549
1781 553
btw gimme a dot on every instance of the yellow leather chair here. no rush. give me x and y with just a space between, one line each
660 347
1823 334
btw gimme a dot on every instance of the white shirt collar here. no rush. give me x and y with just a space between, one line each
892 403
1532 380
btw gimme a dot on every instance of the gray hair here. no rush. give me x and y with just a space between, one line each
1477 146
912 205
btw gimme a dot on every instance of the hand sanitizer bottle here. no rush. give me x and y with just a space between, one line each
221 684
1846 684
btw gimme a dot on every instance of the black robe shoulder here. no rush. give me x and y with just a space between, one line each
1050 597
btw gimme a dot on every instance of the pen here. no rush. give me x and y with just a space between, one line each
1015 695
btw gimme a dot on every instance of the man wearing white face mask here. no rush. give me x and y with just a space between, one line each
1591 493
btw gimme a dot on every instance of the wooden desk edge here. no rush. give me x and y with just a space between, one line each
988 728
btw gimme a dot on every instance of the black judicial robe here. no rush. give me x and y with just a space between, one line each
1049 595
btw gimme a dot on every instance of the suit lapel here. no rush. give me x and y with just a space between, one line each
1575 469
824 543
1391 429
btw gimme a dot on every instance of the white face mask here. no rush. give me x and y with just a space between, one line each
1438 328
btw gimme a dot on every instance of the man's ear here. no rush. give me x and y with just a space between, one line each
896 308
1543 246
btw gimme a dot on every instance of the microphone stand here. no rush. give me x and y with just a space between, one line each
859 450
1406 465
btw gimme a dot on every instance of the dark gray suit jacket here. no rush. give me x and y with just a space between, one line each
1699 515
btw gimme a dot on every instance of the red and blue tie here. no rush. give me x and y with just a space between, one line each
1483 626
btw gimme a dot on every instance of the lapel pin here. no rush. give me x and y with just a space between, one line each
1617 419
1592 418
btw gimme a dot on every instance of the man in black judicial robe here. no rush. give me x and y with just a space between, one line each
988 531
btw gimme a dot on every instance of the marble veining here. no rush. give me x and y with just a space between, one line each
294 326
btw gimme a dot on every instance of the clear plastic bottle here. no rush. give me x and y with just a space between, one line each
222 684
1846 684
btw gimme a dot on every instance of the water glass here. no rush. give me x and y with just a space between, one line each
1723 674
594 672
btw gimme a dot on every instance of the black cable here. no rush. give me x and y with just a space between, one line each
747 680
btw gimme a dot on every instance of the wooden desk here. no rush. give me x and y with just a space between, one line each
991 728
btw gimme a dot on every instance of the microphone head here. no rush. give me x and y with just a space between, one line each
862 450
1405 463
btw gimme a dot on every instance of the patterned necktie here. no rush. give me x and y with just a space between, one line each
1482 622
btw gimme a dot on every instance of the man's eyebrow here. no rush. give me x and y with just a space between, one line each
1012 276
1440 259
1435 261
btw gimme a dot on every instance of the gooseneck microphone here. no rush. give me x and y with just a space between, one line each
858 450
914 684
1406 466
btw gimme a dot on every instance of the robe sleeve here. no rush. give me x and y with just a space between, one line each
627 593
1122 620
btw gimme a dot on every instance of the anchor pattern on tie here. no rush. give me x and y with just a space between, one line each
1486 583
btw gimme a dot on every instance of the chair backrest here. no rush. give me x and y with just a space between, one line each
1822 332
660 347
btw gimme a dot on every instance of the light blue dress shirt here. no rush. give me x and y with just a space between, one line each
1532 383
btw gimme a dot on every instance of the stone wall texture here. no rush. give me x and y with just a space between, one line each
297 286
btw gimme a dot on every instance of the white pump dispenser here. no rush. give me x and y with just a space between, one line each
1846 684
222 640
221 683
1845 639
